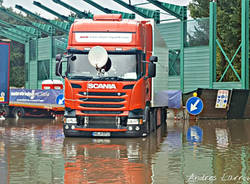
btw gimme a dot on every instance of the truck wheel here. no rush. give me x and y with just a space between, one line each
5 111
65 133
159 117
163 115
153 120
18 112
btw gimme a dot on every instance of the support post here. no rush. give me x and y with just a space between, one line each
183 39
183 42
245 44
212 43
37 87
51 57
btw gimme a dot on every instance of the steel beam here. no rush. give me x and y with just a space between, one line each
146 13
12 37
42 19
18 28
53 12
179 12
45 29
79 13
212 43
108 11
245 43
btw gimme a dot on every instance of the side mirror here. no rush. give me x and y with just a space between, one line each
58 57
153 59
58 71
151 70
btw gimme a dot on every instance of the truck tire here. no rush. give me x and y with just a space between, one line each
147 119
160 116
65 133
5 111
164 115
18 112
153 121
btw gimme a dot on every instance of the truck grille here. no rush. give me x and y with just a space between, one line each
102 120
101 94
103 102
102 105
102 99
102 112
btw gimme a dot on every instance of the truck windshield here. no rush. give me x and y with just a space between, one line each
123 67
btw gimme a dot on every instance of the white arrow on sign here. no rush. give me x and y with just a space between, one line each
193 106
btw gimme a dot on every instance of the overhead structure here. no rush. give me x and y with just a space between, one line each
47 29
109 11
61 26
12 36
146 13
67 19
179 12
79 13
31 32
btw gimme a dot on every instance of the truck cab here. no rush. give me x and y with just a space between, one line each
108 80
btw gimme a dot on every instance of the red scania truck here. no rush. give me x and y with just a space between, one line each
110 84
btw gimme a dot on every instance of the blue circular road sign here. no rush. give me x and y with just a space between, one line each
60 99
194 105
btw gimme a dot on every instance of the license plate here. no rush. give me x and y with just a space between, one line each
101 134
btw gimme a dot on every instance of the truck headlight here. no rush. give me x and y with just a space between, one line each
71 120
133 122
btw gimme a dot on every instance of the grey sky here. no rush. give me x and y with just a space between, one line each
81 5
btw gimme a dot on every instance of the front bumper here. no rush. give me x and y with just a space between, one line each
80 131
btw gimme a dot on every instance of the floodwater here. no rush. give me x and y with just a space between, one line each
206 151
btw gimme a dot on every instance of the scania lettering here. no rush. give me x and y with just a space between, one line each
101 86
111 86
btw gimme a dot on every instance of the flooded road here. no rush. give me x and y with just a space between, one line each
206 151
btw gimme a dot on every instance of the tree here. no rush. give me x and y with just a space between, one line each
228 31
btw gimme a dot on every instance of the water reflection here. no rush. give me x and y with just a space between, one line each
110 160
32 150
223 155
206 151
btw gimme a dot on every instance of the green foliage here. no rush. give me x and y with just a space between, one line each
228 31
197 32
17 76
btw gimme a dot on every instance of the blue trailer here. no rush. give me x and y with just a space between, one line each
35 103
4 76
4 72
25 102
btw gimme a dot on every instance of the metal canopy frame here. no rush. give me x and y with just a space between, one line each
79 13
146 13
67 19
179 12
31 32
42 28
109 11
53 24
10 35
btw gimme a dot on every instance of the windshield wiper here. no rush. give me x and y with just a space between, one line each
81 77
113 78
